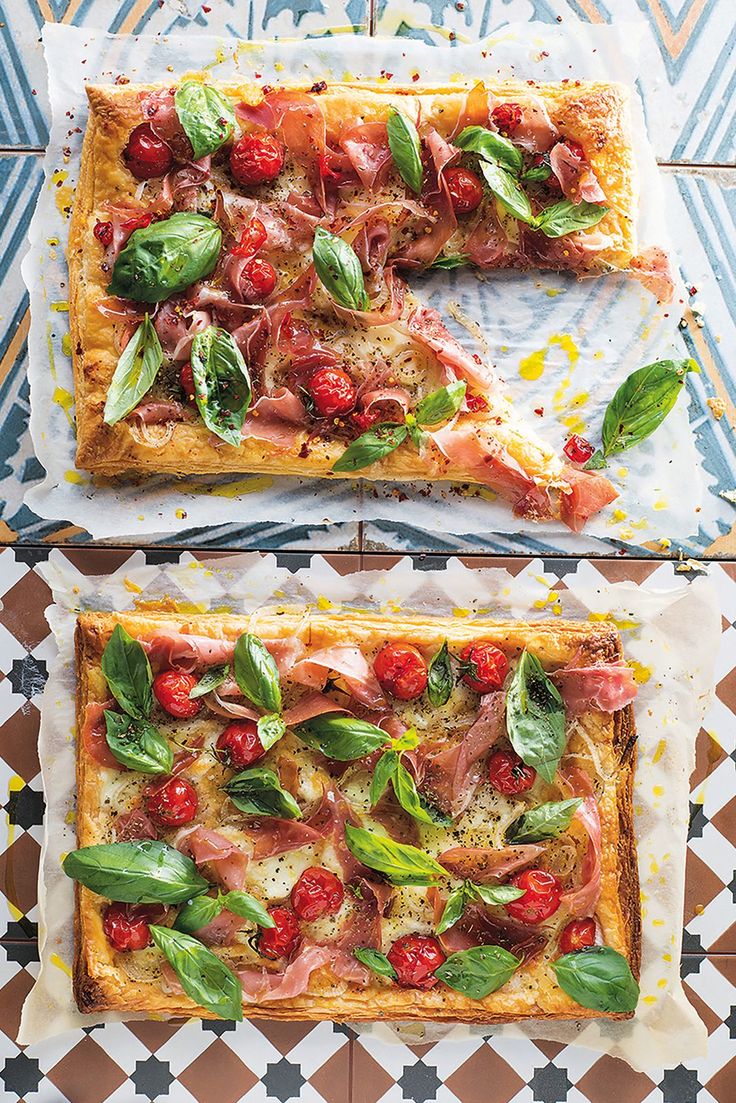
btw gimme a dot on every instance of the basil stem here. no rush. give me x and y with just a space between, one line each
134 374
546 821
375 960
339 270
490 146
137 744
206 116
256 673
128 673
222 386
142 872
439 677
442 404
400 863
479 971
210 681
258 792
343 738
566 217
166 257
535 717
203 976
371 447
598 978
406 150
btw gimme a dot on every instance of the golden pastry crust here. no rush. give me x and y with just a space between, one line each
100 983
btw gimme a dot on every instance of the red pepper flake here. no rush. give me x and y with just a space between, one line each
267 89
318 87
120 79
692 290
415 76
539 411
206 9
476 403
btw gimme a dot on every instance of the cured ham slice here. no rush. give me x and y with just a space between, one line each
453 774
478 927
440 223
185 652
576 178
329 821
388 312
221 930
93 736
653 271
484 865
231 710
177 323
207 847
352 667
274 836
582 901
159 411
605 686
134 825
180 188
277 418
368 151
159 110
259 985
535 132
310 705
426 326
589 493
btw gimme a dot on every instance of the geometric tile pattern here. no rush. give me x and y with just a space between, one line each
326 1063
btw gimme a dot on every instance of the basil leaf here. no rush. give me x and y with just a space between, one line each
203 976
505 186
406 150
441 404
270 729
566 217
400 863
258 792
166 257
207 117
535 717
598 978
371 447
134 374
243 904
495 894
479 971
128 674
407 741
256 673
439 677
382 775
341 737
375 960
642 402
546 821
198 913
446 263
415 433
222 386
454 909
490 146
339 270
137 744
537 174
146 871
596 462
209 681
410 800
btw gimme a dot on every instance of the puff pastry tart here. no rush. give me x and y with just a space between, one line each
238 259
354 817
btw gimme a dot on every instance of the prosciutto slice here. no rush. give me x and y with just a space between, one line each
589 493
582 901
159 110
426 326
134 825
385 314
159 411
93 736
274 836
329 821
352 667
484 865
605 686
277 418
440 222
180 188
652 269
207 847
177 323
478 927
185 652
536 132
260 985
221 930
366 145
453 774
576 178
310 705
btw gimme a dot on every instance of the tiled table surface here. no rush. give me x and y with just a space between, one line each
219 1063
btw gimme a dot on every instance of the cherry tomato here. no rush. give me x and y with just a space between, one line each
508 774
541 899
186 381
476 403
259 277
103 231
318 892
172 689
333 392
126 925
147 155
577 935
487 667
239 746
578 449
173 803
415 958
365 421
506 117
401 670
252 237
256 159
283 939
465 188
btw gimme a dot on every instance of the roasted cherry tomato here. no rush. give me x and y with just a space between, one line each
283 939
146 155
172 689
465 188
126 925
239 746
365 420
508 774
485 666
333 392
541 899
401 670
318 892
578 449
186 381
173 803
103 231
259 277
577 935
506 117
415 958
256 159
252 237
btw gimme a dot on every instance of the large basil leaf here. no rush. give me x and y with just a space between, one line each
479 971
222 386
247 907
135 373
143 872
439 677
341 737
382 774
566 217
209 681
166 257
371 447
198 913
406 150
546 821
490 146
258 792
128 673
375 960
206 116
441 404
459 898
256 673
137 744
535 717
203 976
642 402
400 863
270 729
414 803
339 270
505 186
598 978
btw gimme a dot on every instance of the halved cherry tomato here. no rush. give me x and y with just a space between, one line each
508 774
172 689
283 939
465 188
401 670
577 935
256 159
260 278
146 155
318 892
415 958
126 926
506 117
485 666
239 746
541 899
252 237
333 392
173 803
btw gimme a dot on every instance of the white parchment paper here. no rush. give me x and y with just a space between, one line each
671 632
563 346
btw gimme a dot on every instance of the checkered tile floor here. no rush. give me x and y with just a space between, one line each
222 1063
